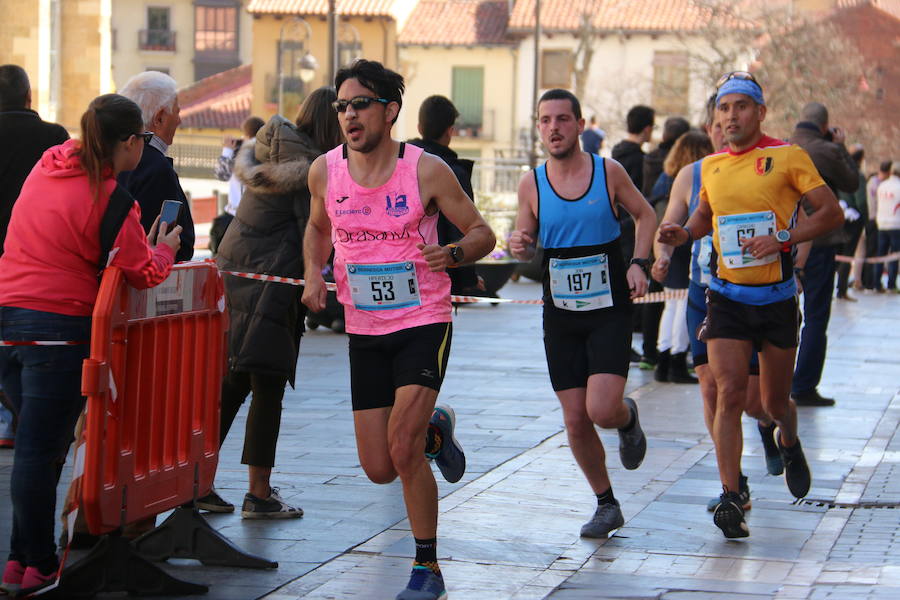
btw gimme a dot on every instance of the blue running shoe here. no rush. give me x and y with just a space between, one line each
424 584
450 458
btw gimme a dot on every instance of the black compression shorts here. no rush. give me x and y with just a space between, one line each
580 345
777 323
379 364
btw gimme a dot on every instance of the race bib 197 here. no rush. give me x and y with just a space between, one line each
733 228
580 283
383 286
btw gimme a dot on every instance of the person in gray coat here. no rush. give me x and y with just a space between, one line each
266 318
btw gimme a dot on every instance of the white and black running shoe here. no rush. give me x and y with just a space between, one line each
273 507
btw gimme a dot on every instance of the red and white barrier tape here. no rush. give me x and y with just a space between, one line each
874 260
650 298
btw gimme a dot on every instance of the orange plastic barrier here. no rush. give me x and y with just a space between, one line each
152 382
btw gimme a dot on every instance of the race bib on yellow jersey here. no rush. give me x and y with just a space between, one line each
733 228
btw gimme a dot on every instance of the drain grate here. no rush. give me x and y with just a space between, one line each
851 505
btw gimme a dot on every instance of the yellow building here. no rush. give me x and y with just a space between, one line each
188 39
64 46
459 49
299 29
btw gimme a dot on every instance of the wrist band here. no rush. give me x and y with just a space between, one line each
690 234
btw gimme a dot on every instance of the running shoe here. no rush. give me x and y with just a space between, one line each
796 470
213 502
33 580
632 443
273 507
12 577
743 494
424 584
450 458
774 464
606 518
729 516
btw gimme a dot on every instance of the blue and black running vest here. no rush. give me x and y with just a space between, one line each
578 227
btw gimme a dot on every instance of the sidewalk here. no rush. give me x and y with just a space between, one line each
509 529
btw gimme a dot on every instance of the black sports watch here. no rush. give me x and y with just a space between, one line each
456 253
643 263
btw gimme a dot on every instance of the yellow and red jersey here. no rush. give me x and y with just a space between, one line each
770 176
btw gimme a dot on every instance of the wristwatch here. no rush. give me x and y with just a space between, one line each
643 263
456 253
783 236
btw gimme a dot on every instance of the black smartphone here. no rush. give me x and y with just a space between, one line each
171 210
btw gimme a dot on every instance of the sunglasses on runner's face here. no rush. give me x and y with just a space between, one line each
358 103
737 75
146 136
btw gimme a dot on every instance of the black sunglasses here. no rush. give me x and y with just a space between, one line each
145 135
744 75
358 103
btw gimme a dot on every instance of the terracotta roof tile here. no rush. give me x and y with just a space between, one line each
456 23
361 8
612 15
221 101
892 7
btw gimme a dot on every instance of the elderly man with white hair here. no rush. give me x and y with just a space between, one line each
154 180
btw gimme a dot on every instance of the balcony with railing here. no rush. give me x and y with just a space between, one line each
158 40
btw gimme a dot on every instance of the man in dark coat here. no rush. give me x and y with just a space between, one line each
673 128
23 139
155 180
437 115
825 147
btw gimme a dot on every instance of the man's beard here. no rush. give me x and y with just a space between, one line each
369 142
566 153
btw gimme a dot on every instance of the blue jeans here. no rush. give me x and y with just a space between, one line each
818 290
888 242
45 383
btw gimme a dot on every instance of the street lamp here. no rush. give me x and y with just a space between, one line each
307 64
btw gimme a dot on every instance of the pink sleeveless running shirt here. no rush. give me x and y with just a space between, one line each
383 281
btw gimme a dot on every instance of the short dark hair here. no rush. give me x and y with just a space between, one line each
673 128
561 94
885 167
14 87
251 126
858 156
436 115
639 117
374 76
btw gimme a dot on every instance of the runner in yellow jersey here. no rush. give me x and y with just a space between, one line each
749 197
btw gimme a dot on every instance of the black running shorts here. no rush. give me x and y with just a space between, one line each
580 345
777 323
379 364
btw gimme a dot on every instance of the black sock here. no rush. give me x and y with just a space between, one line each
631 421
426 554
767 433
432 440
606 497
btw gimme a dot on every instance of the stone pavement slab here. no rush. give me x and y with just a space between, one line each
509 529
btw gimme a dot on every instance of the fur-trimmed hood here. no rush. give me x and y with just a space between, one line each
277 161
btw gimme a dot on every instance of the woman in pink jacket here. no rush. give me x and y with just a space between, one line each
48 286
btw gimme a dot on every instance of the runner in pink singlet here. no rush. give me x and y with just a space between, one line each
372 226
376 202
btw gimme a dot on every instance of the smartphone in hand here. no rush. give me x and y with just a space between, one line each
171 211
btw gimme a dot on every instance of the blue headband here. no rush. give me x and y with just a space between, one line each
741 86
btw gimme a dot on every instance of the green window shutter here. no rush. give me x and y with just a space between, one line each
468 95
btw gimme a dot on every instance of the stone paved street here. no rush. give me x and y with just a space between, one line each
509 529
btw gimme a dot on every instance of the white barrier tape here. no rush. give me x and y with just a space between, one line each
874 260
650 298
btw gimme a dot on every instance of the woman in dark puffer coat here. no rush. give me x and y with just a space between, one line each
266 318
